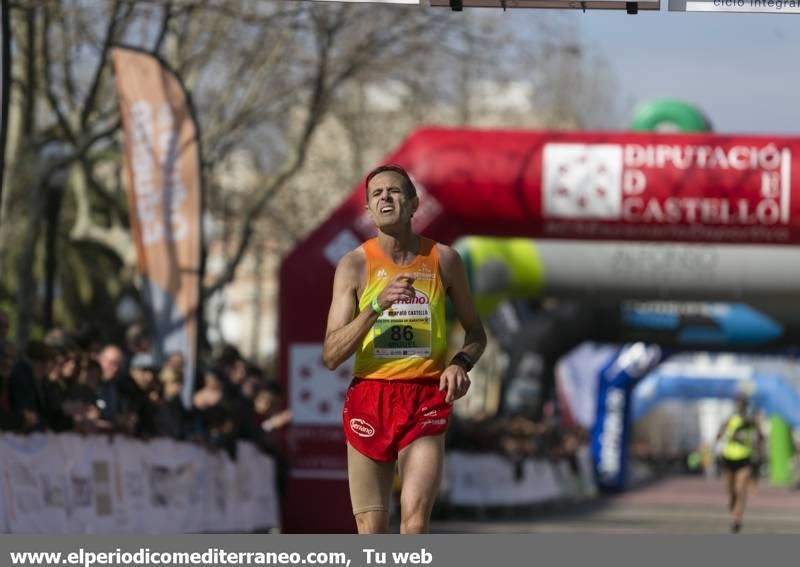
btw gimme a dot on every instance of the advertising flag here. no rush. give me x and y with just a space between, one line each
162 162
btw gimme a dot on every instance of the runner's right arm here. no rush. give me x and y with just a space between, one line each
722 429
347 328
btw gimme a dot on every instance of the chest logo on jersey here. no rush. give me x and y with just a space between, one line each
419 299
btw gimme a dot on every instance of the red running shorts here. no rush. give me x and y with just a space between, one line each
380 417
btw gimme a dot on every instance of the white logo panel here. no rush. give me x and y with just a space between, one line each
316 394
582 181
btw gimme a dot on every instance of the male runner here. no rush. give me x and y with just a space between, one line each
738 433
388 309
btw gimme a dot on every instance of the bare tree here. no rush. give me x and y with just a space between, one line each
245 65
262 76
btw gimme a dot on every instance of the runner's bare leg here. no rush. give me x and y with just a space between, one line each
421 464
742 480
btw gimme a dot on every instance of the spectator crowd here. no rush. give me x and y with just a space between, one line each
65 383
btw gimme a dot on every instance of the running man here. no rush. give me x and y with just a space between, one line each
388 309
738 463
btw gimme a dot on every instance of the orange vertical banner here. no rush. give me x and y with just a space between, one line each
164 188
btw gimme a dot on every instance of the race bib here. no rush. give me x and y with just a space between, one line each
404 329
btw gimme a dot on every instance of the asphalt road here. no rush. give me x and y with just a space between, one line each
673 505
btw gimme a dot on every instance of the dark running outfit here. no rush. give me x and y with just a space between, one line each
737 452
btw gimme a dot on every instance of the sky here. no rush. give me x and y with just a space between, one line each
740 69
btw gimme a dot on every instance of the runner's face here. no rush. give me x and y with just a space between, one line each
387 201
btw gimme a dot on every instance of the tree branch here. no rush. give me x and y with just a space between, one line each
29 112
115 237
48 81
316 109
164 29
94 87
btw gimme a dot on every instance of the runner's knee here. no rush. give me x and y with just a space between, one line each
415 511
372 521
414 524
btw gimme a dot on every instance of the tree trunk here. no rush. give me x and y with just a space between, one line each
26 284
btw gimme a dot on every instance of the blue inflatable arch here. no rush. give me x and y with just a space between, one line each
769 392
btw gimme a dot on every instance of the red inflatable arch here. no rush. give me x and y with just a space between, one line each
576 185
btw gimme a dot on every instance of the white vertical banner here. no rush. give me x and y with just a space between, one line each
216 501
92 489
34 493
189 474
53 480
541 479
77 456
246 478
157 463
181 479
231 499
467 488
265 492
130 457
104 486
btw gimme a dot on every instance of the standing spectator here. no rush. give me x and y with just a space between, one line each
38 358
134 389
253 382
82 398
175 361
170 415
54 389
214 413
234 369
19 401
112 363
137 340
268 414
172 369
271 420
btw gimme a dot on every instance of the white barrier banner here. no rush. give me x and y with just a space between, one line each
57 484
493 480
92 486
216 509
247 476
265 493
192 460
34 495
137 511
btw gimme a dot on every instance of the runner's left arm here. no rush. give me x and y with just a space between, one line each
454 275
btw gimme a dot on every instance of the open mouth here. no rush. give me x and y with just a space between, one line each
386 209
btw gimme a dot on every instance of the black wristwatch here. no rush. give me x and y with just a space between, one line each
463 360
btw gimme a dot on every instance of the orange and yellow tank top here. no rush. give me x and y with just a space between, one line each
409 340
